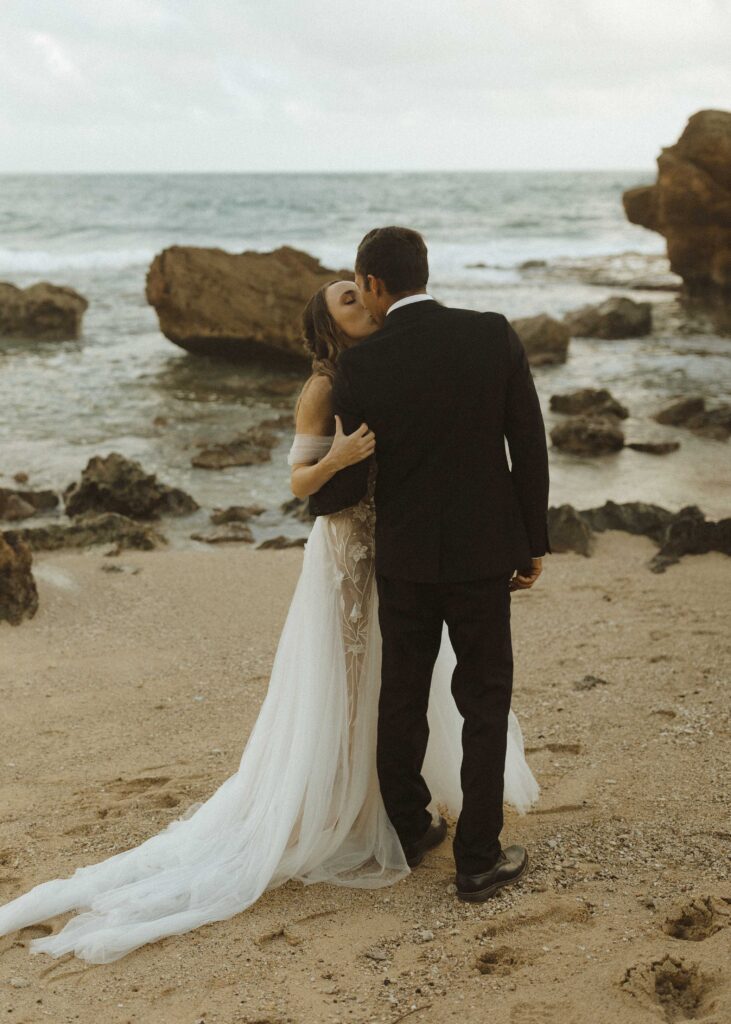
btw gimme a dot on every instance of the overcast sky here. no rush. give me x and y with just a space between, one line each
238 85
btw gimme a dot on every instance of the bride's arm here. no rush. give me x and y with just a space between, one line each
315 417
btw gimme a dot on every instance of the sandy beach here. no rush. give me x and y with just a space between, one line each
130 695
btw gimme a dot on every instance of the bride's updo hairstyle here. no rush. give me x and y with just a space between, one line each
321 336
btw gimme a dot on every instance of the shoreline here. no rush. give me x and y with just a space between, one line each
177 655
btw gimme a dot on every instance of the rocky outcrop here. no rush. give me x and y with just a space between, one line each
48 312
88 529
235 305
631 516
232 532
690 204
251 448
21 504
617 317
692 414
299 508
588 435
235 514
18 592
280 543
569 531
686 532
117 484
595 400
546 340
690 533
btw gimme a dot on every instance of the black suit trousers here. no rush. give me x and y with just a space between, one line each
411 615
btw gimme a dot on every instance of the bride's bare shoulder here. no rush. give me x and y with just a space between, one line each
314 409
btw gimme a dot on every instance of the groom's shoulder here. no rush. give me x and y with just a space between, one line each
475 316
483 324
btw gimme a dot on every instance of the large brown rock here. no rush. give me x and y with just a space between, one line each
117 484
545 340
88 529
589 400
691 412
18 593
45 311
690 204
616 317
588 435
236 305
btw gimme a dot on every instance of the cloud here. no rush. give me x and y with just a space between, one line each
290 84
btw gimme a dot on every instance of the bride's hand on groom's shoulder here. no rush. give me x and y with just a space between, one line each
347 449
525 578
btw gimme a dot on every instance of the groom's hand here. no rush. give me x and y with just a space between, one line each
525 578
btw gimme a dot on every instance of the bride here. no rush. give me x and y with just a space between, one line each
304 803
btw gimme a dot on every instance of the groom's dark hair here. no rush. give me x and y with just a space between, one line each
397 256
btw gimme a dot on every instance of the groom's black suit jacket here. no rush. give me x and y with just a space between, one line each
442 388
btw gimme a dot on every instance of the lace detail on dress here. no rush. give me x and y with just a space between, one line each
351 534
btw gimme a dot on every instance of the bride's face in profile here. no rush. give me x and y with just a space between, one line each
347 310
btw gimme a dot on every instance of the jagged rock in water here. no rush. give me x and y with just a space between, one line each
676 414
617 317
588 435
235 532
248 449
546 340
691 413
594 400
299 508
117 484
43 311
21 504
18 592
91 528
236 305
653 447
278 543
236 514
690 203
569 531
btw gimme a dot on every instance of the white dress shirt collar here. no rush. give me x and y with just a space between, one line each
406 300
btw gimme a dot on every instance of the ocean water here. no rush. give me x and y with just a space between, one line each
62 402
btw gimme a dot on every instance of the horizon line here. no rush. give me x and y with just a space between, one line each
421 170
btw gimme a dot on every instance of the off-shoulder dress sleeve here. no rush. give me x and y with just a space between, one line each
309 448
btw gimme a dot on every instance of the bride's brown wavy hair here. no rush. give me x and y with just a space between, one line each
321 336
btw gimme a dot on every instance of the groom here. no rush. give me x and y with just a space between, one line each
442 388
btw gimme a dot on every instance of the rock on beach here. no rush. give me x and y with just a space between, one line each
43 311
690 203
235 305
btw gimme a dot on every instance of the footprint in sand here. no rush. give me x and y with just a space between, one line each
537 1013
501 960
146 792
695 920
556 912
34 931
556 748
678 988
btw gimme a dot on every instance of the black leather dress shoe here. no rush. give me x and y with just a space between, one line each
432 837
510 866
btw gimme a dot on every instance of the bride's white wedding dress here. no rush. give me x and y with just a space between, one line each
304 803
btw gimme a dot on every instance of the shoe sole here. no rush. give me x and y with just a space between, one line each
484 894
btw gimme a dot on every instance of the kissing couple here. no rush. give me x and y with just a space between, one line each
391 685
